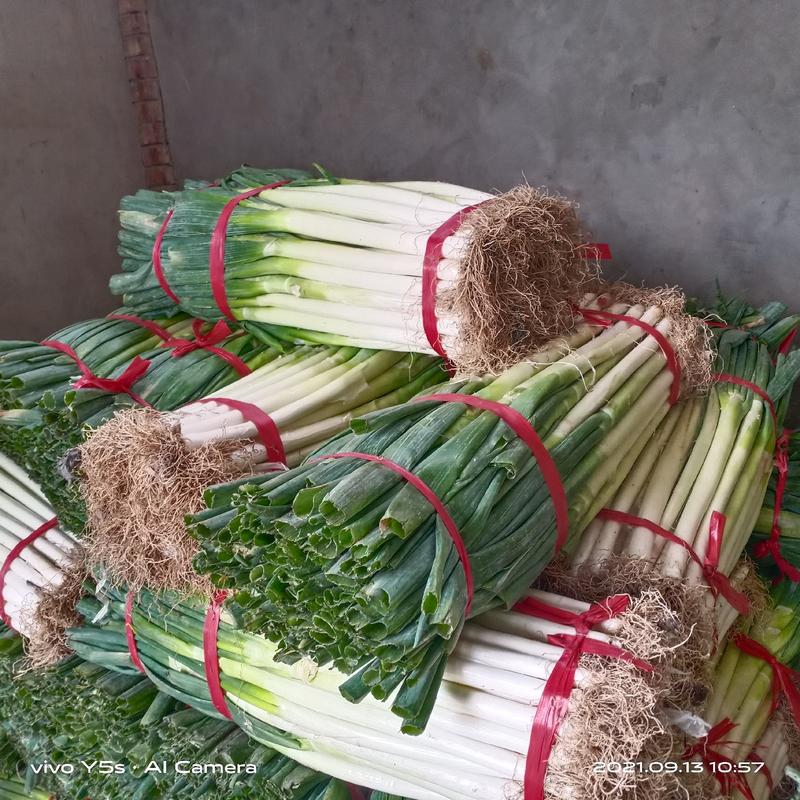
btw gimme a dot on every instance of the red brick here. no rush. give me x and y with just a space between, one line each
163 175
152 133
133 24
155 155
137 45
150 111
145 89
131 6
141 67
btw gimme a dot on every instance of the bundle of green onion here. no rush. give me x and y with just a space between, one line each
481 717
38 568
743 684
112 736
143 471
43 416
709 454
340 262
345 562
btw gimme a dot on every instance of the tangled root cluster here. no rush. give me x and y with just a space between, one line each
524 270
139 481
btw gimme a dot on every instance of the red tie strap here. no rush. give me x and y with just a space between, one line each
527 433
432 498
729 778
554 704
605 319
718 583
130 636
121 385
430 279
583 623
14 554
772 545
216 257
724 377
786 345
158 267
754 758
598 250
784 678
267 430
211 654
202 341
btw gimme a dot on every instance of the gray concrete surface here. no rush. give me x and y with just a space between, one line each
675 123
69 151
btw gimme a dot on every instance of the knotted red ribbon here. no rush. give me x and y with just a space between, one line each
772 545
718 583
130 636
729 779
527 433
211 653
15 552
605 320
724 377
267 430
554 703
784 678
120 385
202 341
216 256
431 497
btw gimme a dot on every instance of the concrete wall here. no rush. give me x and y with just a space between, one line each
69 151
674 122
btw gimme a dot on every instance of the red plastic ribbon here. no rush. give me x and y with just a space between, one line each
786 345
202 341
209 341
211 653
431 497
267 429
606 318
121 385
599 250
216 256
130 636
718 583
148 324
728 780
754 757
783 677
158 268
724 377
355 792
554 704
430 280
772 545
14 554
584 622
527 433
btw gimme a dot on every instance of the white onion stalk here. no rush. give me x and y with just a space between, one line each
38 567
